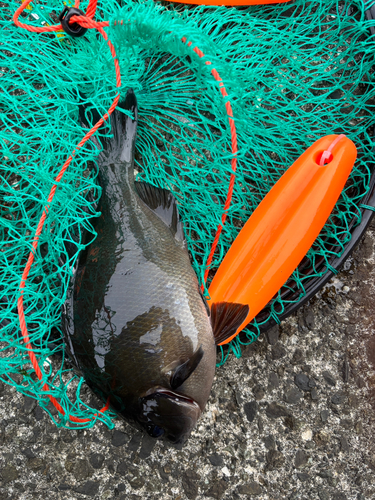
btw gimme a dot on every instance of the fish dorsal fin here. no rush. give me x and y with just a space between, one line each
226 317
164 205
183 372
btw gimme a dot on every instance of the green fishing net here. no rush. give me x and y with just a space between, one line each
293 72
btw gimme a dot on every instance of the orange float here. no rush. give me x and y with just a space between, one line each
283 227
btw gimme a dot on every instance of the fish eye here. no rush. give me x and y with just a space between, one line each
156 431
204 301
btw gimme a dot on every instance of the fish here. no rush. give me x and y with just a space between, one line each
135 323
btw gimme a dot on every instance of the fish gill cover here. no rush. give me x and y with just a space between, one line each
293 73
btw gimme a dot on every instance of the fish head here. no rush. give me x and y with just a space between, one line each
166 414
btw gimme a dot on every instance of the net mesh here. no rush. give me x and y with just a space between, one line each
293 73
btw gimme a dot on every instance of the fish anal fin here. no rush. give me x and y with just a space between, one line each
164 205
183 371
226 318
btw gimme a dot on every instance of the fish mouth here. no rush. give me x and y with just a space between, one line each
166 414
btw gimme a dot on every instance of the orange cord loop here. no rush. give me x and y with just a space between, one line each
327 154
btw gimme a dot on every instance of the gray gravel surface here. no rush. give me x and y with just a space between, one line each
292 419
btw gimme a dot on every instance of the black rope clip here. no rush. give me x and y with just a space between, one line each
73 29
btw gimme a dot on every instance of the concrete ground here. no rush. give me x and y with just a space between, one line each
292 419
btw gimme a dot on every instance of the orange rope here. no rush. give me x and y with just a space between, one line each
88 22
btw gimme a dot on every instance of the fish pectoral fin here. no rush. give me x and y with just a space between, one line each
164 205
183 372
226 318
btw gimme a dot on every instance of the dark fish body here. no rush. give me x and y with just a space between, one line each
136 324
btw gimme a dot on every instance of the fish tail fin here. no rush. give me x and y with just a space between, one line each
123 130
